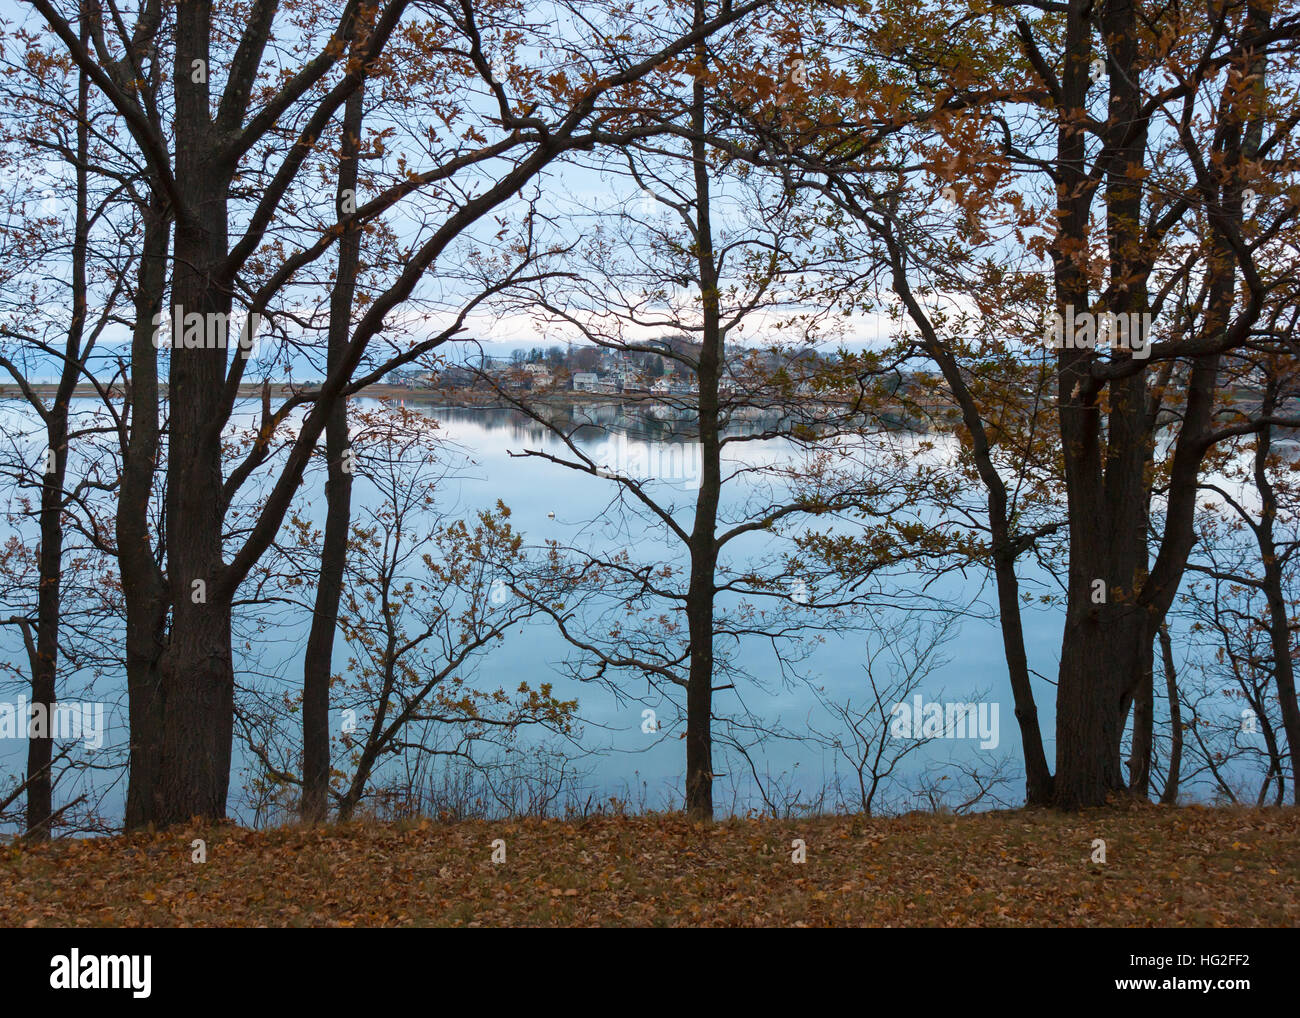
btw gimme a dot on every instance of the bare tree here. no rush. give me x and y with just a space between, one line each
898 661
424 597
694 255
203 153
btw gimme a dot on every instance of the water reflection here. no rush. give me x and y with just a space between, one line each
589 421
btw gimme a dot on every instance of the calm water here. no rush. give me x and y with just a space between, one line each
549 502
535 489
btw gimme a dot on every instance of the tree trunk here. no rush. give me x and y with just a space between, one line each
198 714
144 587
1139 762
1103 657
1090 709
40 741
1279 627
1038 778
1169 795
1284 671
197 667
1259 16
40 747
699 691
318 663
703 543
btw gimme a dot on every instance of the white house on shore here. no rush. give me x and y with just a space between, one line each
538 374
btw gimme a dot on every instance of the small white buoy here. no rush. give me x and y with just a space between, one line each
550 516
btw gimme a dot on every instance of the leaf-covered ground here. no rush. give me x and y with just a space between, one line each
1165 867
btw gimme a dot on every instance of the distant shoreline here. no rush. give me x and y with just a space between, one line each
468 398
381 391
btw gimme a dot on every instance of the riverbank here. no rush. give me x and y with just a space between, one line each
486 399
433 397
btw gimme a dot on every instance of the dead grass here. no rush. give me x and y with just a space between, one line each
1164 867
